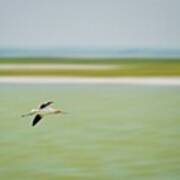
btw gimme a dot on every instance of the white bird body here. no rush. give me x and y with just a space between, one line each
45 111
42 111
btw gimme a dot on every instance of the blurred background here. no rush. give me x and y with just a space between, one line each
125 38
125 123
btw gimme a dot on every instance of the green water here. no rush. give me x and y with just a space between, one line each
109 133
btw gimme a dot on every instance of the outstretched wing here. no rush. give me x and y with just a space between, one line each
45 104
36 119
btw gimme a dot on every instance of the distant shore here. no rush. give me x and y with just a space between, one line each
159 81
90 68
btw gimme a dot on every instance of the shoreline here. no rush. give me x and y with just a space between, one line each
58 66
170 81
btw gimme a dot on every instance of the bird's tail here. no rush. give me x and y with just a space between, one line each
28 114
24 115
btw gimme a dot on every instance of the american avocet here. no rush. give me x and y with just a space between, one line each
42 111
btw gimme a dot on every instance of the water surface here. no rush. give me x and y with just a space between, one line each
110 132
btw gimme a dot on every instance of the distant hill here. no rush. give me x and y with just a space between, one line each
88 52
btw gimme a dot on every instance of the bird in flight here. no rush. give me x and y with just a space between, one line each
43 110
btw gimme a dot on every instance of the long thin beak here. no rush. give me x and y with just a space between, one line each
59 111
63 112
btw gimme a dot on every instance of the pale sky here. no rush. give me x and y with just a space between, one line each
90 23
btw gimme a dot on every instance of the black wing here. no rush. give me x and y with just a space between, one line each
45 104
36 119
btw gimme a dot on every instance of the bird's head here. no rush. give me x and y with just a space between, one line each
57 111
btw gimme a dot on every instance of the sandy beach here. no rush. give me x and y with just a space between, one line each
170 81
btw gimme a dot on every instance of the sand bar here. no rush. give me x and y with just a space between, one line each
170 81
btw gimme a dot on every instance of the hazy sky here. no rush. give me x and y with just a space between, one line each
90 23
